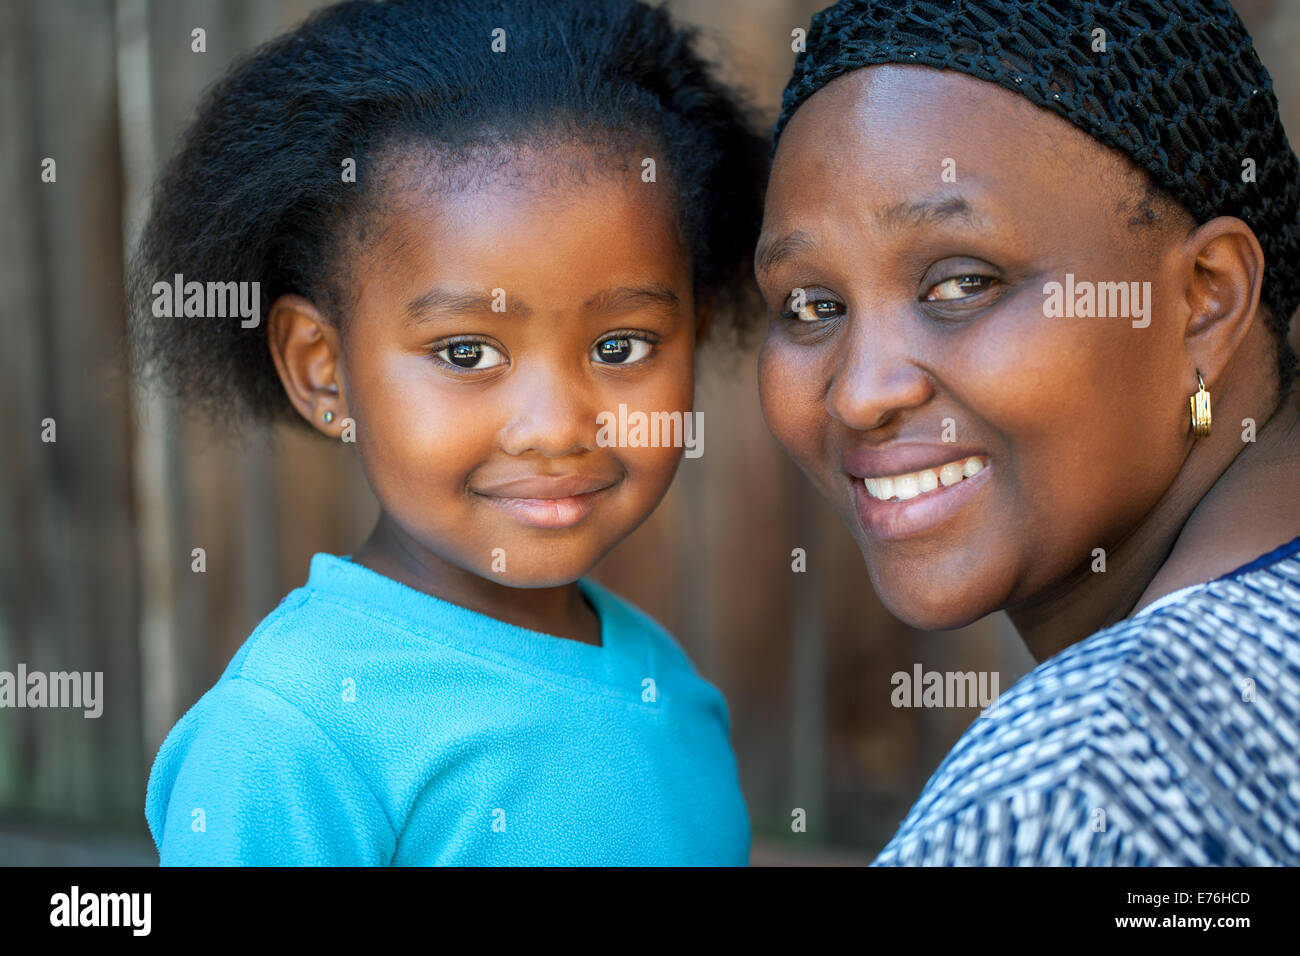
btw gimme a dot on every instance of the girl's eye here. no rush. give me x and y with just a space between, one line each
813 310
620 351
475 355
959 287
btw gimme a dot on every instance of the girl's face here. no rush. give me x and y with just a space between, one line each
492 326
922 213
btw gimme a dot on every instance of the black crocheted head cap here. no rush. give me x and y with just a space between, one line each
1178 88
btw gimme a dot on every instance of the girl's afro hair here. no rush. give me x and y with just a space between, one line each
256 192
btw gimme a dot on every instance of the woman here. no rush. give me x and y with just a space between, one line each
1012 254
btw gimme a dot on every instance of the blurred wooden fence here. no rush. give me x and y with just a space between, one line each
97 526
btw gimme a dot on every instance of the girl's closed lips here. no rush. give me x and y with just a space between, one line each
547 501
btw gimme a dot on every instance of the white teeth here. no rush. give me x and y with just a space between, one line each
949 474
905 487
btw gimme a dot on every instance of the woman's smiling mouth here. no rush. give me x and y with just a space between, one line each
910 485
909 490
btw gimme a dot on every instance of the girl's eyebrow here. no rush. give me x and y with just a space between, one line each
437 303
625 298
440 303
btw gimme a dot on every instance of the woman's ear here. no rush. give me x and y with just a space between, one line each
1222 292
305 348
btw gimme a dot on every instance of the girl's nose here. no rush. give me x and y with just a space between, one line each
550 416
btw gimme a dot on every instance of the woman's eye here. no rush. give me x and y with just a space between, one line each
475 355
620 351
959 287
812 310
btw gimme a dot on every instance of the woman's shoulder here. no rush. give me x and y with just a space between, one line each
1180 724
1178 665
1267 586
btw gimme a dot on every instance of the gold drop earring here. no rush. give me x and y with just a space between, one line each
1200 403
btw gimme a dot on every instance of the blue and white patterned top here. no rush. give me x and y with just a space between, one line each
1171 738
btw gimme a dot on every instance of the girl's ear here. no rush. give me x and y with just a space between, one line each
305 348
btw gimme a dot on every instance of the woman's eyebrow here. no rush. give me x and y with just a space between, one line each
929 212
770 252
903 215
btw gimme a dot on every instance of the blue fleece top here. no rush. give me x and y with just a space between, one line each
366 723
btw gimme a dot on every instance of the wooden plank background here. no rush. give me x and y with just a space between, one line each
96 528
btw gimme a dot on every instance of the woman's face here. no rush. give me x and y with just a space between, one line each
978 444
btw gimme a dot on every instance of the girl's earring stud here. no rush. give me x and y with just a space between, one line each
1200 403
327 417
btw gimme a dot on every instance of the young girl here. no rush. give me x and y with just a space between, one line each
474 227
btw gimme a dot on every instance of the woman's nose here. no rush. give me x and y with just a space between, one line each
875 375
